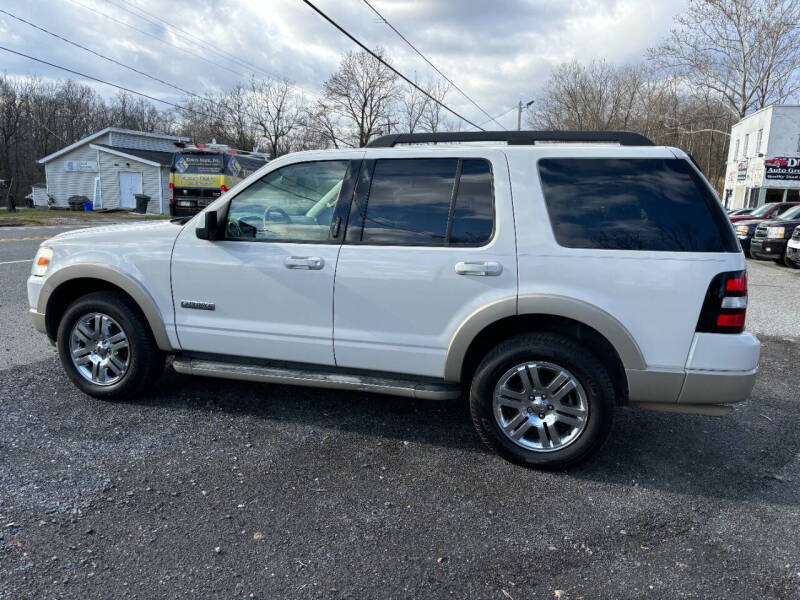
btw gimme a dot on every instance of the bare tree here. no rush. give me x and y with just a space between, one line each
433 116
598 96
747 51
361 93
411 105
276 111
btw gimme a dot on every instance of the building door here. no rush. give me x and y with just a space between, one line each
97 200
129 184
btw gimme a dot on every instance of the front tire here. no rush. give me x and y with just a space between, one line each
106 347
542 400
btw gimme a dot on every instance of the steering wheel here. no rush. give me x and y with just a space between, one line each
283 216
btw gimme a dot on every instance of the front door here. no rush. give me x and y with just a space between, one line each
265 290
129 184
430 240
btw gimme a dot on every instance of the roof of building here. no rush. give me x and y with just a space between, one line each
150 157
102 132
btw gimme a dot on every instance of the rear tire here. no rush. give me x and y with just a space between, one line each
533 420
106 347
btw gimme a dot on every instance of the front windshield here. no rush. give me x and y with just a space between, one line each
790 214
761 211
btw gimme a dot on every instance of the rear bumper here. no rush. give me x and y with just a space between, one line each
720 369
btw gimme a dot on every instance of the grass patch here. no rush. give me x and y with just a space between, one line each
43 216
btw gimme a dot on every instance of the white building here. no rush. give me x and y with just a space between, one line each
111 166
764 158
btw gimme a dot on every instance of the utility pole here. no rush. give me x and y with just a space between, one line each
519 113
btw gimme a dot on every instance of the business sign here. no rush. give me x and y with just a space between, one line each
741 170
83 166
782 168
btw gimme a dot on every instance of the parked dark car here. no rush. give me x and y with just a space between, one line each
740 211
770 238
767 211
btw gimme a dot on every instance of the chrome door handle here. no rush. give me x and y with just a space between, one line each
310 263
479 268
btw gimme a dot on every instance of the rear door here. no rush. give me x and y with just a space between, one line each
430 239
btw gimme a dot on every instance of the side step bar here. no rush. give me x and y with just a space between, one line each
408 388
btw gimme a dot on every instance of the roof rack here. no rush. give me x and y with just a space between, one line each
513 138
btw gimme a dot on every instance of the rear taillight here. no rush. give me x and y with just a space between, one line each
725 305
223 189
171 185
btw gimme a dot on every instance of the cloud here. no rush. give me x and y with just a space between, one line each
499 51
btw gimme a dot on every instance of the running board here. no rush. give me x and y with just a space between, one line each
408 388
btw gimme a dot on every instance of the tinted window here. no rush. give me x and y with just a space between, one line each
409 201
632 204
295 202
412 202
473 216
791 213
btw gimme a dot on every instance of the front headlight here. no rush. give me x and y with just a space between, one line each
776 232
742 230
41 261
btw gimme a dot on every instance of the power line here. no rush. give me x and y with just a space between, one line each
116 62
433 66
386 64
499 117
119 87
152 19
158 39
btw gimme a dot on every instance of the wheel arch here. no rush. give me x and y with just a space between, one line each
590 325
66 285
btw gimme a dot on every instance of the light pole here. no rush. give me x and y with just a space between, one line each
519 113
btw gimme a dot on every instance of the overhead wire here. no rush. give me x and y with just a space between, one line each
433 66
389 66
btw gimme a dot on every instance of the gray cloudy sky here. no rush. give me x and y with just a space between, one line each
498 51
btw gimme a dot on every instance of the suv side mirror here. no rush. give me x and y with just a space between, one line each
210 227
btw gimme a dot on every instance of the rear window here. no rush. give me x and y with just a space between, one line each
633 204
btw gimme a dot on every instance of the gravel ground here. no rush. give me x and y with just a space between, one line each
211 488
773 292
225 489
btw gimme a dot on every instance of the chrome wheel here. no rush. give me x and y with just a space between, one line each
99 349
540 406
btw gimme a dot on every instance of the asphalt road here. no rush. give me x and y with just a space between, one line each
212 488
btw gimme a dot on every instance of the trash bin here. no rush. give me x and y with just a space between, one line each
87 206
77 202
141 202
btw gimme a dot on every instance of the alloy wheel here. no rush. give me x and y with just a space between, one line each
540 406
99 349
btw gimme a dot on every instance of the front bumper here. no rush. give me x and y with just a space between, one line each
767 249
793 255
38 321
744 242
721 369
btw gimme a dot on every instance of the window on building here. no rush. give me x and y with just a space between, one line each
736 150
427 201
759 138
746 143
632 204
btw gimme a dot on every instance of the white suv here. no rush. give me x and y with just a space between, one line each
552 275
